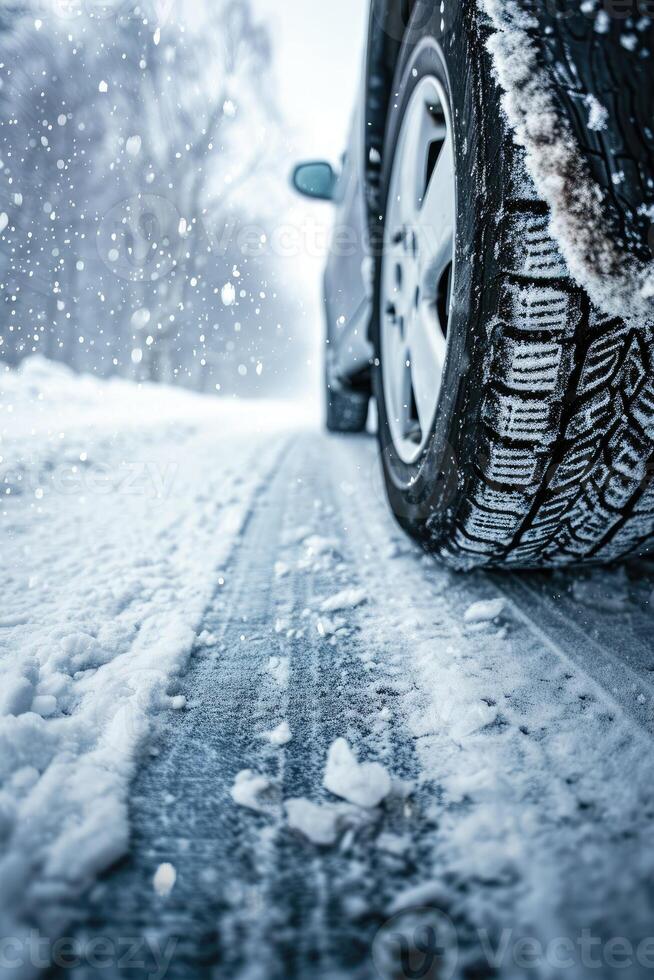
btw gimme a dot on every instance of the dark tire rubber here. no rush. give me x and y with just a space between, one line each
606 51
346 409
542 451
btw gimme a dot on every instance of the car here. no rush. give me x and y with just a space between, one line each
490 280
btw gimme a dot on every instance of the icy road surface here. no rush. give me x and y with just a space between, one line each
249 731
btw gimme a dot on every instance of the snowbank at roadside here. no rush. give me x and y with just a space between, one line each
120 504
56 427
42 400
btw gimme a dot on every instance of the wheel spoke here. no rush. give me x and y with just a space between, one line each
412 176
436 218
427 355
397 349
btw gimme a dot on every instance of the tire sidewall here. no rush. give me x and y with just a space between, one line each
423 495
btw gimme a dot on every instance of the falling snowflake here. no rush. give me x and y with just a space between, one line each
228 294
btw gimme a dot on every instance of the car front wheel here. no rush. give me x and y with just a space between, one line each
516 422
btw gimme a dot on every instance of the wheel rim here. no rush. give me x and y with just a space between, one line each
418 268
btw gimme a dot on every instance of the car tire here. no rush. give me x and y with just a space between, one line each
346 410
541 447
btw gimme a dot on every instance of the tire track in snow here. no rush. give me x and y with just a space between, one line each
250 896
620 663
505 801
339 687
611 646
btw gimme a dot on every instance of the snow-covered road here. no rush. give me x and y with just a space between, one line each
190 670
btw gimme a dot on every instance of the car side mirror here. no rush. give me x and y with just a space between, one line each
316 179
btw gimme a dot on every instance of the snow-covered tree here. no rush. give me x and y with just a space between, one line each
135 148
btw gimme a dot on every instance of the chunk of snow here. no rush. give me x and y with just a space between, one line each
278 667
319 824
348 599
45 705
16 694
327 626
598 115
366 784
393 844
281 735
472 718
178 703
602 22
316 544
248 789
164 880
484 611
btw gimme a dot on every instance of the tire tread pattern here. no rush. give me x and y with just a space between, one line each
564 471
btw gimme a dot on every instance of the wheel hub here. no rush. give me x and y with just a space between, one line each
417 268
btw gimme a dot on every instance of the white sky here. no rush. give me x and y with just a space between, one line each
319 47
318 60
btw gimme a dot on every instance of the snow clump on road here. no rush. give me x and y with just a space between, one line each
347 599
164 880
252 790
365 784
281 735
319 824
484 611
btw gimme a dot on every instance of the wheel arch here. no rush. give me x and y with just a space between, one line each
386 28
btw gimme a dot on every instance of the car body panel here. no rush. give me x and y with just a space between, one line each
348 273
